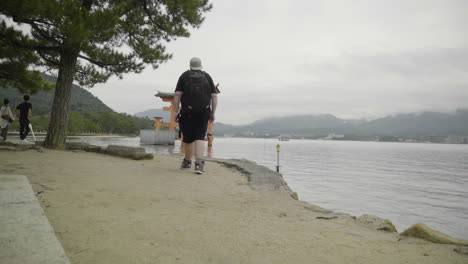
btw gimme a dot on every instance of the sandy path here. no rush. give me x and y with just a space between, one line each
112 210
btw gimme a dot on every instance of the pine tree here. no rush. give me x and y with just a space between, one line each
87 41
14 70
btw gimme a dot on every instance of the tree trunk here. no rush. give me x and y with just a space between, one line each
57 132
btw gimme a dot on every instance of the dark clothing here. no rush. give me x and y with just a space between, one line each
193 126
23 119
4 132
185 75
24 129
184 79
24 110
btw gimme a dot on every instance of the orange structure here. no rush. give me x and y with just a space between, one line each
169 97
157 123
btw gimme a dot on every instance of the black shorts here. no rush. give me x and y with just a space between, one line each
194 127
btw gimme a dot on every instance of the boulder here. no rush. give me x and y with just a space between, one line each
461 250
376 223
17 145
295 196
136 153
142 156
80 146
93 148
424 232
76 146
7 148
118 149
316 208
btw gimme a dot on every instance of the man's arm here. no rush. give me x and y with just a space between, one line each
214 104
214 96
177 96
30 114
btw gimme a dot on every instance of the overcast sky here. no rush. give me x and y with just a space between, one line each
353 59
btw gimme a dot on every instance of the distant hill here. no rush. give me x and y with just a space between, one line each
417 124
297 124
81 100
151 113
290 125
401 125
87 113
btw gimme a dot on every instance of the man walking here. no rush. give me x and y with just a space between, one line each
198 95
25 115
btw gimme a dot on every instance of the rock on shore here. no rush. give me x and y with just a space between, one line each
425 232
377 223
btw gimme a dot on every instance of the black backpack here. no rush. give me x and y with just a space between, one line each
197 93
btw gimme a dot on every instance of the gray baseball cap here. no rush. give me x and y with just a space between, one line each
195 64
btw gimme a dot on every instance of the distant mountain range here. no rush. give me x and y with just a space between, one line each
151 113
316 126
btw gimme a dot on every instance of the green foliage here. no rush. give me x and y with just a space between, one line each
81 99
99 123
40 123
88 41
106 122
88 113
14 63
108 37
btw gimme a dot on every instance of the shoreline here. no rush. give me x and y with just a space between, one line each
262 178
90 198
77 136
350 140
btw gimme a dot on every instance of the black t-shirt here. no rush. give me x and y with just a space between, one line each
24 109
185 75
183 79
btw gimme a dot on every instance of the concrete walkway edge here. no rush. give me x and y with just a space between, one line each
26 236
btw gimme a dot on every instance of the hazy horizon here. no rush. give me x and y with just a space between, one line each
339 117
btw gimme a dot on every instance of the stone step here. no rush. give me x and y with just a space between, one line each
26 236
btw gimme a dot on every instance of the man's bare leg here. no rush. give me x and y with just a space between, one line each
188 151
199 149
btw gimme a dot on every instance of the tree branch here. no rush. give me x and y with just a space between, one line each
87 4
21 45
150 16
43 34
35 26
98 63
49 60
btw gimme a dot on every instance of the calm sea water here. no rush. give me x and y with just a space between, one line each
407 183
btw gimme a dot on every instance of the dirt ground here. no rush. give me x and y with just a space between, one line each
107 209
